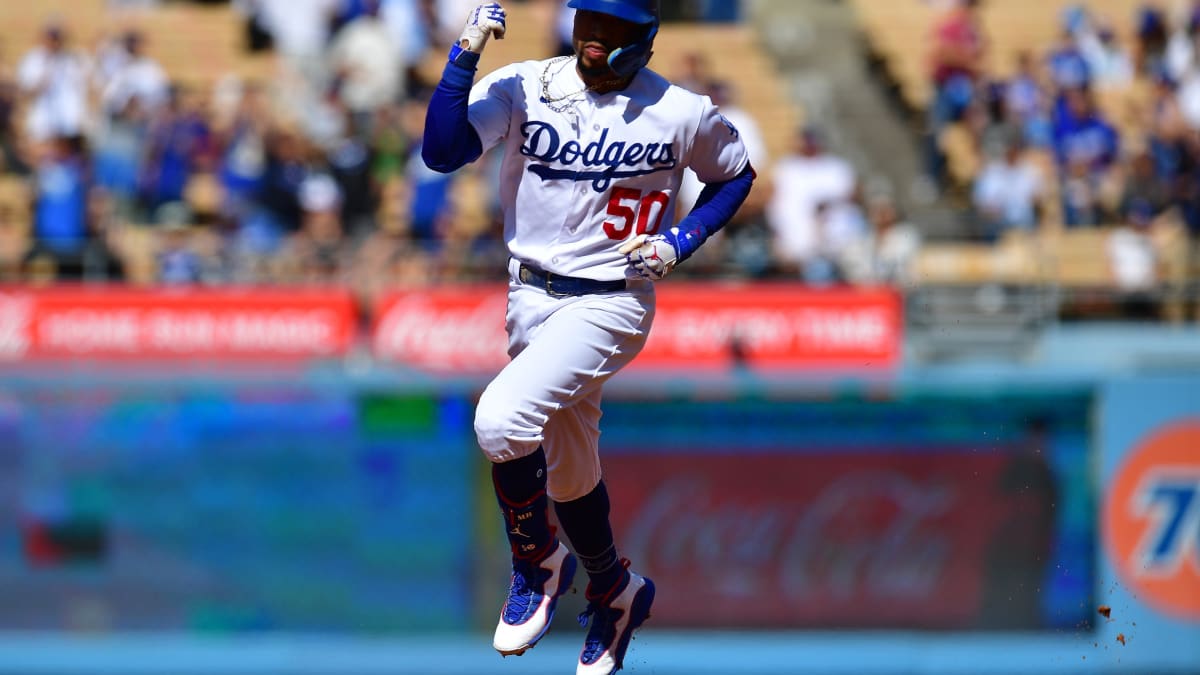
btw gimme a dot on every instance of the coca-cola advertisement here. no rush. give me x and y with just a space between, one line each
126 323
860 538
447 329
697 327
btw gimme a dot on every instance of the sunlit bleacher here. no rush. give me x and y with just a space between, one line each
1075 259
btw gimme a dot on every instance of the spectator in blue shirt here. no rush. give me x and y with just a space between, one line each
118 152
60 209
1082 135
178 145
1067 65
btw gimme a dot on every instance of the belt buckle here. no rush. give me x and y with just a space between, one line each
550 288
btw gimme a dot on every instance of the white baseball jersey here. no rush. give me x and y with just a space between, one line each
576 183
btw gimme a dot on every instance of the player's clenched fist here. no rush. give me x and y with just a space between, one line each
483 22
652 255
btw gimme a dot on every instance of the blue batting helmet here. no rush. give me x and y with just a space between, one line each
636 11
628 59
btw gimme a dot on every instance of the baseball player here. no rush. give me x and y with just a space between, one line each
594 146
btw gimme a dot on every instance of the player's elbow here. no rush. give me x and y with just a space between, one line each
436 161
448 149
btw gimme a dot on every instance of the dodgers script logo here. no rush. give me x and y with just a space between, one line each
602 161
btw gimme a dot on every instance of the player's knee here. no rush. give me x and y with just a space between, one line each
497 429
489 432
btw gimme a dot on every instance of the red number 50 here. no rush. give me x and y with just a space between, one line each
630 206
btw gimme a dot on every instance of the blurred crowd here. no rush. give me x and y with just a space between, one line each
315 175
811 217
1102 128
111 169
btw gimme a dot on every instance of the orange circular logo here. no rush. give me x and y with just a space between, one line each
1152 519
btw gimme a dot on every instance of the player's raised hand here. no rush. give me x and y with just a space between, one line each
652 255
483 22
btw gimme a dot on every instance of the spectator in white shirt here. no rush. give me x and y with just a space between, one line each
885 254
299 29
1184 45
53 80
803 180
367 62
839 224
1135 263
448 21
1007 190
1188 95
137 77
1109 63
409 25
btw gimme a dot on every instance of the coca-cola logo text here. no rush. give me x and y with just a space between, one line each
866 534
828 538
448 332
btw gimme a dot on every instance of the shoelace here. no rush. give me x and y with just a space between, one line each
604 625
521 591
601 634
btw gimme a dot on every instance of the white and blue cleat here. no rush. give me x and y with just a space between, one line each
614 618
532 597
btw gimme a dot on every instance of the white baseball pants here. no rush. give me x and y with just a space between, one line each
562 351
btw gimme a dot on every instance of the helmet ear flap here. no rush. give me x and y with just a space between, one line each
626 61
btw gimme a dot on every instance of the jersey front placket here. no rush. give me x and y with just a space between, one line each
581 243
585 200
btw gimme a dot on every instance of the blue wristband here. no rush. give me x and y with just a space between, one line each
685 238
464 58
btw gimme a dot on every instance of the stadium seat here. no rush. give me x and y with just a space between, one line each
15 228
137 245
1013 260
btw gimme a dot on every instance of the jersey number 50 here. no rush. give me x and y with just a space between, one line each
630 206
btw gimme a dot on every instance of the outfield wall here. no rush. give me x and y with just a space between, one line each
972 518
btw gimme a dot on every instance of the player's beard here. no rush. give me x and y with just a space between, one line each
596 72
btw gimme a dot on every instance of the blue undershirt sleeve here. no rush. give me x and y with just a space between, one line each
450 141
717 203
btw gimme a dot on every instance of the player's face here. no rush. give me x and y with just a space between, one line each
596 35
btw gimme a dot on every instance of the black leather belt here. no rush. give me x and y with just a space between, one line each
556 284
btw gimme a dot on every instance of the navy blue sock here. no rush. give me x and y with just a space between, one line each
585 521
521 491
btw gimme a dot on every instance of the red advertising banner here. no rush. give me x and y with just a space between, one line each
697 326
449 329
127 323
862 539
772 325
